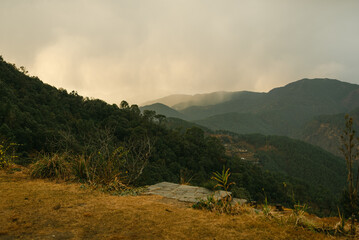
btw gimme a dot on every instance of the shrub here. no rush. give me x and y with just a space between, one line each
7 154
103 171
80 168
223 205
54 166
219 204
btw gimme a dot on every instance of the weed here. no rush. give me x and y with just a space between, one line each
222 179
185 176
267 211
298 212
208 203
340 226
211 203
220 204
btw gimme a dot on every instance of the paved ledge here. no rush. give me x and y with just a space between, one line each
187 193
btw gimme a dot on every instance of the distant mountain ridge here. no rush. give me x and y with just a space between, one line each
182 101
170 100
282 111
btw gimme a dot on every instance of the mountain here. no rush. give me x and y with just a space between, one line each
169 100
207 99
237 123
325 130
180 102
306 96
182 125
282 111
298 101
160 108
290 157
292 110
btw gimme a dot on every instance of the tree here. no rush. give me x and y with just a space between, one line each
23 70
138 150
349 149
149 115
160 118
124 105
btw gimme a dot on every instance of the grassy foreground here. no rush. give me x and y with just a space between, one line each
42 209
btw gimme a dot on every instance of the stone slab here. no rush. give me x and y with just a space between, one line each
187 193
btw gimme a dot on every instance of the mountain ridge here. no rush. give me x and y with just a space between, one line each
285 110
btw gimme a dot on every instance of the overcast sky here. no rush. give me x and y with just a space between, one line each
142 50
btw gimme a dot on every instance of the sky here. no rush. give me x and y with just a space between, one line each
139 50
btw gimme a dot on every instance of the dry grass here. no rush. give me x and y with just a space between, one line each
41 209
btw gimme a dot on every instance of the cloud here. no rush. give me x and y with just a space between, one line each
140 50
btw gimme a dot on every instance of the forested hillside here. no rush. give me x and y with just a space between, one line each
325 130
289 157
290 110
41 118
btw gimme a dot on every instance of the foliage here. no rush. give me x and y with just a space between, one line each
267 211
7 154
241 192
349 148
54 166
298 212
222 179
208 203
222 205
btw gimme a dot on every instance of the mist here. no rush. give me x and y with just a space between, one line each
142 50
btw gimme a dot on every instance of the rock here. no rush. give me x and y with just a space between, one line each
239 201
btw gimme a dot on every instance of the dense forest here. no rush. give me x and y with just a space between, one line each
44 120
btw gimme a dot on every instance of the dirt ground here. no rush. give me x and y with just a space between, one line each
42 209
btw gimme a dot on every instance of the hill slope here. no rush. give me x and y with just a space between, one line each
281 111
160 108
325 130
290 157
39 209
292 110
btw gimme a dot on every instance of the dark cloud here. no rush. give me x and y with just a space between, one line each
140 50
